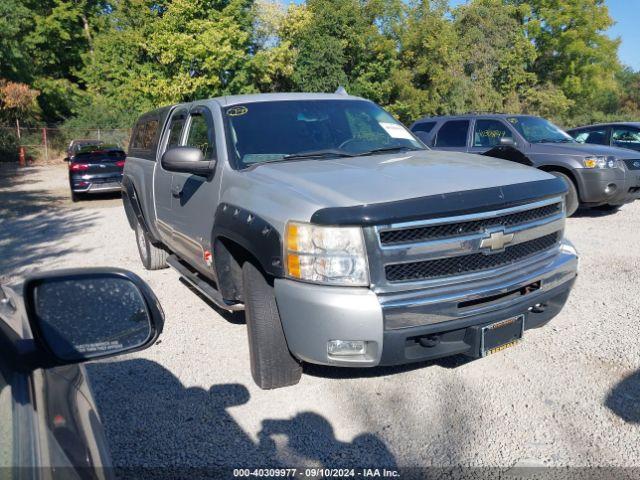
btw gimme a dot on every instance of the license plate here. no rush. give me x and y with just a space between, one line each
501 335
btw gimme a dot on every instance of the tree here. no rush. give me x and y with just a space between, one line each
344 44
184 50
429 78
574 52
495 55
18 101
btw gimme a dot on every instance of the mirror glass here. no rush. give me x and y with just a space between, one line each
90 317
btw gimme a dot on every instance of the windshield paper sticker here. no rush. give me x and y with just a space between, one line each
396 131
237 111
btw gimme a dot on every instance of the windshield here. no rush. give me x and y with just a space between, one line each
99 154
539 130
292 129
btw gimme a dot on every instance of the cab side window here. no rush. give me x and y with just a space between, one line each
453 134
626 137
175 130
597 136
488 133
201 136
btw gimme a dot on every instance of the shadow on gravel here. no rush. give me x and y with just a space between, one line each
325 371
595 212
624 399
152 420
34 223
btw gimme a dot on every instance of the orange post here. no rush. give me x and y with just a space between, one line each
22 157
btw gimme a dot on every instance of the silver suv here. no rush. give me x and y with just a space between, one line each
346 241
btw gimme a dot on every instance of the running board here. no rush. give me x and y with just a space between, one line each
204 287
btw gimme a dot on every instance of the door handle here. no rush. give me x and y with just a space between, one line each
176 191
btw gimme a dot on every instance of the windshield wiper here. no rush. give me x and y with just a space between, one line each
554 140
396 148
326 152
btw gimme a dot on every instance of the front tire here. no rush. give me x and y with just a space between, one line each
152 257
572 202
272 365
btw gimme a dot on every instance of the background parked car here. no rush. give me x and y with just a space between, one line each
621 135
49 425
597 175
96 169
76 145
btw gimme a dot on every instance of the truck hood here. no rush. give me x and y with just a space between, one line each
581 150
385 178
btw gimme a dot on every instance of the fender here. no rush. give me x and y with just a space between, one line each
252 233
132 207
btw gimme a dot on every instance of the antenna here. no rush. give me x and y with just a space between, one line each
341 91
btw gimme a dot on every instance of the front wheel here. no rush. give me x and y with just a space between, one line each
572 201
152 257
272 365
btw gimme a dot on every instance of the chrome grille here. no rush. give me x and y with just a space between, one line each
464 248
450 230
445 267
633 164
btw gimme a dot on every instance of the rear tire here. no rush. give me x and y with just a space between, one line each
75 197
272 365
572 202
152 257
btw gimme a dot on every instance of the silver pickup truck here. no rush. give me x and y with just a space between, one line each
346 241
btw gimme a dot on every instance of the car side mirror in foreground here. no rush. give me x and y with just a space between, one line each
507 142
85 314
187 160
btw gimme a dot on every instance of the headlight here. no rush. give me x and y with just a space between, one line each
600 161
328 255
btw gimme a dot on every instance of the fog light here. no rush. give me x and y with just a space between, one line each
612 187
344 348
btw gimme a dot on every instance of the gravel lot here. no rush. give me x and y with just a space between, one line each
567 396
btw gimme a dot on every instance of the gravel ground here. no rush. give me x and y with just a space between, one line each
567 396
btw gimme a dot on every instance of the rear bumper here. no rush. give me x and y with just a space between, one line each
613 186
312 315
102 183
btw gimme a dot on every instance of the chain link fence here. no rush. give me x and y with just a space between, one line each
49 144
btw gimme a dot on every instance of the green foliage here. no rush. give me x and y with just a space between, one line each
103 62
343 45
574 53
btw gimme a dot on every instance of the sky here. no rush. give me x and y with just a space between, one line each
626 14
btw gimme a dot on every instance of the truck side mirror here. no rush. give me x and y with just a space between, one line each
85 314
187 160
507 142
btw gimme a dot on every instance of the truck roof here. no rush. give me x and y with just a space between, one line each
607 124
274 97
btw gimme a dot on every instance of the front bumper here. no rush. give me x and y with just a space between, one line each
614 186
312 315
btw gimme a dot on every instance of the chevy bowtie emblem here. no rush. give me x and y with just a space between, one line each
636 164
496 241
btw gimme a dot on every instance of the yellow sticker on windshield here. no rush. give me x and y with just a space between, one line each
512 120
237 111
